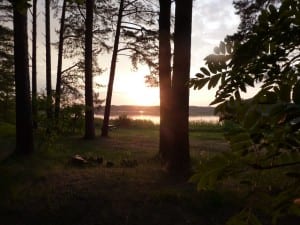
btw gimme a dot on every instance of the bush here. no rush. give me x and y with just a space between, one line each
126 122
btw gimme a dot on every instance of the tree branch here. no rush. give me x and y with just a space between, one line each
69 68
259 167
81 13
129 4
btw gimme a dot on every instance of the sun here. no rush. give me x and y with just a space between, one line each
142 95
139 94
129 88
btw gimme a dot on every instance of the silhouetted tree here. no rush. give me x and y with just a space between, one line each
179 159
33 70
72 77
165 135
24 130
112 72
48 60
89 106
135 19
59 60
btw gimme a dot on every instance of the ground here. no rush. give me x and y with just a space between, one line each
49 189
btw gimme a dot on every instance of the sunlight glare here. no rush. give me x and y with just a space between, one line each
140 94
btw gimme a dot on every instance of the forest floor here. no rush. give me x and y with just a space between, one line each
128 187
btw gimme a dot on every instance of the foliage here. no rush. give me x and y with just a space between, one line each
263 131
5 12
139 34
72 84
71 120
6 72
248 12
123 121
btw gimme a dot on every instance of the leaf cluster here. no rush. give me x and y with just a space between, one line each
263 131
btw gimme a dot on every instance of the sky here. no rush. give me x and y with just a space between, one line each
212 21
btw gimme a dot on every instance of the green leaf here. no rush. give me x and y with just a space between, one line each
263 18
199 84
214 80
216 101
249 80
212 67
229 48
243 87
216 50
199 75
272 10
205 71
222 47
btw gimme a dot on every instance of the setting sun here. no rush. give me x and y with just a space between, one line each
129 87
140 94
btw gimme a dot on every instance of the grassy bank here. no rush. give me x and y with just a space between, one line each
49 188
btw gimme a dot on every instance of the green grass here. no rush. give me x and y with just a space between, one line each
46 188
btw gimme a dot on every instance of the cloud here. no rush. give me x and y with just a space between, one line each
212 21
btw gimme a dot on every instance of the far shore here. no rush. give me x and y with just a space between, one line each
132 110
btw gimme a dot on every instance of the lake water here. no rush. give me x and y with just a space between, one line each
155 119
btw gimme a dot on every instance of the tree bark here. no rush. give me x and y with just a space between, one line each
89 108
48 60
179 161
59 61
112 73
24 130
34 76
165 135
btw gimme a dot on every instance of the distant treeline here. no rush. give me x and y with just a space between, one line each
154 110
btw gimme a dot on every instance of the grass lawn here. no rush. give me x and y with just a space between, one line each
47 188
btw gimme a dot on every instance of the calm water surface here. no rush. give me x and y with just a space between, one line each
155 119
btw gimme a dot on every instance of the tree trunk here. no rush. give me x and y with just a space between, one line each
24 131
112 73
34 78
165 138
48 60
59 61
179 161
89 108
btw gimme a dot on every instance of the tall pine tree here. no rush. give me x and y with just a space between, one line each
24 130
